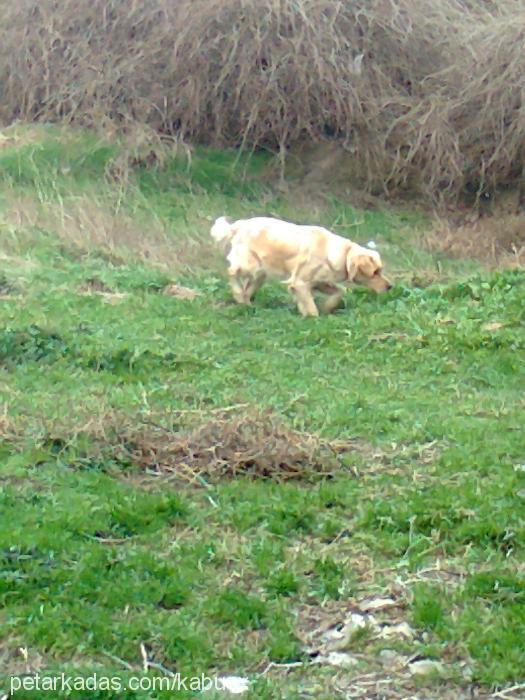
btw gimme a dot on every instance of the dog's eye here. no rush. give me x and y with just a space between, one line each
377 272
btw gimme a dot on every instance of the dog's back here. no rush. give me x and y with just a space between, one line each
268 236
276 245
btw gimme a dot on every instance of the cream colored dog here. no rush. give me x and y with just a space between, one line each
308 257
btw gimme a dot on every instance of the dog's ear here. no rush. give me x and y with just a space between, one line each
352 263
363 263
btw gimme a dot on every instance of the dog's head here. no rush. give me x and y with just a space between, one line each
364 267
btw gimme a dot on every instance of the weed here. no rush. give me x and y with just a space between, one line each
283 583
235 607
31 344
427 609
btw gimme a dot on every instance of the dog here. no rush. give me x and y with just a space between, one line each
309 258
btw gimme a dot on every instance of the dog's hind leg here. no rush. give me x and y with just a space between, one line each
335 295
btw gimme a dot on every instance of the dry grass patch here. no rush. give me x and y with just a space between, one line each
181 292
89 225
255 443
205 447
17 660
8 290
94 285
9 433
197 449
92 226
16 135
495 241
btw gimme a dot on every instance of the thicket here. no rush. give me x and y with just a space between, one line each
436 104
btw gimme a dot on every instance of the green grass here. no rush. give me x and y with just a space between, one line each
97 559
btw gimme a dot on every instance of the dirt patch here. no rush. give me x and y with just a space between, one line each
373 651
334 626
317 172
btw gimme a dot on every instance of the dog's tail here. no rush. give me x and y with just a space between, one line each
222 231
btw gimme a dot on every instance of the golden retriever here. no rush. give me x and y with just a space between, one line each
308 257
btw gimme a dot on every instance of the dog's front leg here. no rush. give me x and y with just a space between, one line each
304 298
238 287
253 284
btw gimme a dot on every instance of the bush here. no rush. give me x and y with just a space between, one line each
438 106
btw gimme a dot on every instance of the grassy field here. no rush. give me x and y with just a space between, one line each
120 557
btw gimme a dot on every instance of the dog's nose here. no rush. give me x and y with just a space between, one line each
389 286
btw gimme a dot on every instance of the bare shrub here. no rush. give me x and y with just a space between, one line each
436 106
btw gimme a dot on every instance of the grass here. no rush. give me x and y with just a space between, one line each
99 557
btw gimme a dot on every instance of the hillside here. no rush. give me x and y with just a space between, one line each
191 486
